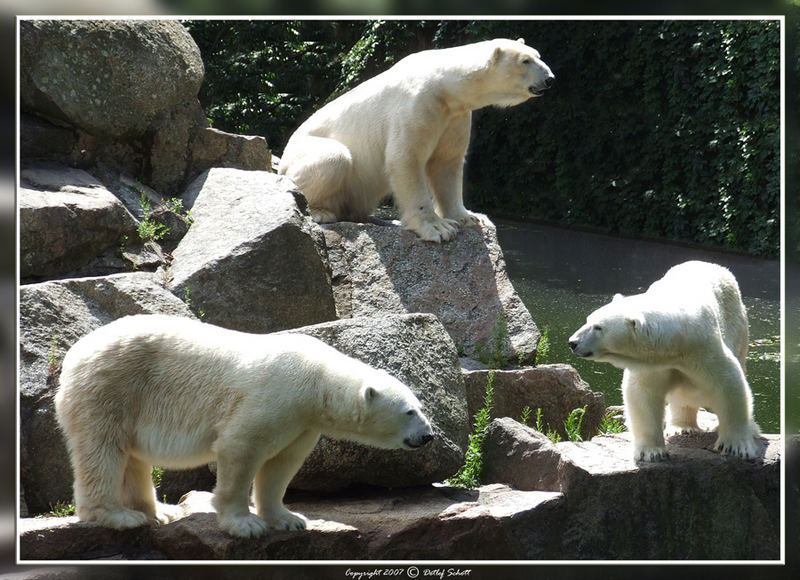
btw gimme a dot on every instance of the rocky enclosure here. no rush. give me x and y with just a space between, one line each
129 203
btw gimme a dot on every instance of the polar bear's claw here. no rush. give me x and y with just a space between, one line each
743 447
650 454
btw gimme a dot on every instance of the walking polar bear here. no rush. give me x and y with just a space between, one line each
174 392
406 132
682 342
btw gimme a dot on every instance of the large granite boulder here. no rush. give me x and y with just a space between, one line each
126 90
383 268
111 78
67 218
251 260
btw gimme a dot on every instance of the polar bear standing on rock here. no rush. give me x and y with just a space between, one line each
406 132
174 392
682 342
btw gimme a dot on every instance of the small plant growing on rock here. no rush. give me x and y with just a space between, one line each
469 475
543 347
539 426
610 424
572 424
61 509
148 228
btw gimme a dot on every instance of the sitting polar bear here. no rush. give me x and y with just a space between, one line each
684 343
156 390
406 132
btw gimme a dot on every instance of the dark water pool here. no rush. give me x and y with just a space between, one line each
562 275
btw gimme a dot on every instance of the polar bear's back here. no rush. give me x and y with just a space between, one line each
707 283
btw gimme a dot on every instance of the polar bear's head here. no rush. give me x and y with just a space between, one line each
613 333
519 70
389 415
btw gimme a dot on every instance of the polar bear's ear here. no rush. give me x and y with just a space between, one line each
616 298
521 40
635 321
368 393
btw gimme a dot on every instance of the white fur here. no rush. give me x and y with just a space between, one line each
177 393
406 131
683 343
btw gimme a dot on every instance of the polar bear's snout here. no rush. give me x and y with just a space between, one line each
419 432
419 441
537 89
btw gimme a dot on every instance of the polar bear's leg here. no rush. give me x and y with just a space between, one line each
643 395
274 477
732 402
414 202
447 184
139 493
137 487
99 467
235 472
445 170
320 167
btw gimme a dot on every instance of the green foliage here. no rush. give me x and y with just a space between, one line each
572 424
526 415
157 475
469 475
543 347
610 424
148 228
654 128
61 509
265 77
539 426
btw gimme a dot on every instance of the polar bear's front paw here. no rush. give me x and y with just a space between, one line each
118 519
468 219
246 526
649 453
432 228
739 445
284 519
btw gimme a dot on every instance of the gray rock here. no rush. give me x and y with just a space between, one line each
557 389
696 505
53 316
67 218
251 260
418 524
214 148
415 349
382 268
520 457
127 89
111 78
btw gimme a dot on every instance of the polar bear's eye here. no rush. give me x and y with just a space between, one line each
526 60
597 327
410 413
